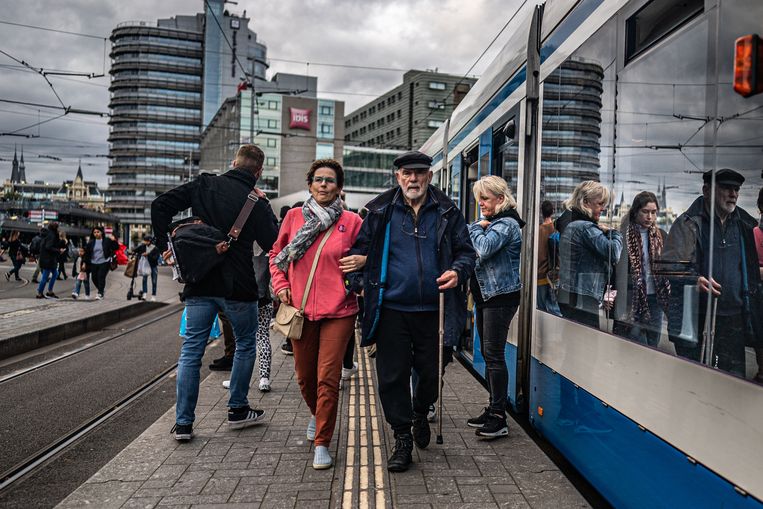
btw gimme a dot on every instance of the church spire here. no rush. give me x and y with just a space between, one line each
22 168
15 167
79 172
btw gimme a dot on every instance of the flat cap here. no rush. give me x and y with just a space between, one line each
724 176
413 160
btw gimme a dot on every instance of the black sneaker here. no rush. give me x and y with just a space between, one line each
35 281
421 432
183 432
286 348
243 417
51 295
222 364
40 296
478 422
495 427
401 453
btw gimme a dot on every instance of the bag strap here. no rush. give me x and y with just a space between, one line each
315 265
238 225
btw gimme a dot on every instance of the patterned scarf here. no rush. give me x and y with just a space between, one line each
640 308
317 219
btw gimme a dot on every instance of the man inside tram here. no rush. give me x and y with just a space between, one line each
733 319
417 245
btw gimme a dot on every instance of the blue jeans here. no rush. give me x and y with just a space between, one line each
200 312
154 275
47 274
78 285
547 300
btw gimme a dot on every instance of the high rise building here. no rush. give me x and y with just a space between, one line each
167 77
406 116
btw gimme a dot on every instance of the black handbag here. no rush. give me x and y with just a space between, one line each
198 247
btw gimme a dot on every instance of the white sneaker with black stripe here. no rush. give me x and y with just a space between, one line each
244 417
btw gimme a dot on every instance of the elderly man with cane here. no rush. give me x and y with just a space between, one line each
417 246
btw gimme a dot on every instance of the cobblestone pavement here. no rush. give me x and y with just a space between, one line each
269 465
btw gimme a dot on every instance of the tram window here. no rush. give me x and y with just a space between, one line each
506 152
656 20
576 162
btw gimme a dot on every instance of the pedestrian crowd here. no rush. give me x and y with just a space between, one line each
401 276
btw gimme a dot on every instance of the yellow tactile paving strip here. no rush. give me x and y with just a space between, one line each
365 481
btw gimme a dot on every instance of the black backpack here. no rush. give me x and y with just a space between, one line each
34 246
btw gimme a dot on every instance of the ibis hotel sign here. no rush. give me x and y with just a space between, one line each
300 118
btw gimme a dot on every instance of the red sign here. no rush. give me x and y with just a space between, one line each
300 119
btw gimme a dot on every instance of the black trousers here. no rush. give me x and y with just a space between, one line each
98 272
493 328
406 341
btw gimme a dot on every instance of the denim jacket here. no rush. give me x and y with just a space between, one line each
498 247
587 254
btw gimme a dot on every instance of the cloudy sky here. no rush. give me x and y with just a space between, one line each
414 34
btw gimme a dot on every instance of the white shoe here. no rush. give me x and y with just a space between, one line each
74 296
322 459
264 385
226 384
98 297
153 298
431 413
348 372
86 297
311 428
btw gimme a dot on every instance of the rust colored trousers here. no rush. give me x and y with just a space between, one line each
318 358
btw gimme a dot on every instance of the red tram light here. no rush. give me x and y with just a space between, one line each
748 66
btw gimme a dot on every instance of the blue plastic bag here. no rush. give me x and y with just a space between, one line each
213 334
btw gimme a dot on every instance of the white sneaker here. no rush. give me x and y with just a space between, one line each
153 298
226 384
348 372
98 297
322 459
86 297
264 385
74 295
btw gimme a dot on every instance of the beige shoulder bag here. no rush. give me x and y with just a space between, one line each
289 320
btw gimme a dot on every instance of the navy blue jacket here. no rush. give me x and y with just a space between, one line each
454 252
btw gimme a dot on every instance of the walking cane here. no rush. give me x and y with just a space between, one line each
440 367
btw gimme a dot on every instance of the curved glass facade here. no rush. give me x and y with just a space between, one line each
156 113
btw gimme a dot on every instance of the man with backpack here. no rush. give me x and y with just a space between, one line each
230 286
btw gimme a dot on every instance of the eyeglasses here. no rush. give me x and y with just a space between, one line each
409 227
327 180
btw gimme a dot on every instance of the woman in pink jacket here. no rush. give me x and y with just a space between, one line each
329 310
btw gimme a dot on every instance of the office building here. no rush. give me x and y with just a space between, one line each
167 77
406 116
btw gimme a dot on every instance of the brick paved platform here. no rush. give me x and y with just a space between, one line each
270 465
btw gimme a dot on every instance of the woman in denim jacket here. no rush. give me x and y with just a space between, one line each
495 288
588 251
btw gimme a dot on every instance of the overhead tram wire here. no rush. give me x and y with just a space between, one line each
466 74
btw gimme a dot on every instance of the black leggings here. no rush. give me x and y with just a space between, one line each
493 328
98 271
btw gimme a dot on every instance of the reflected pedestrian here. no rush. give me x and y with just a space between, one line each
548 262
16 251
81 273
50 251
148 266
99 252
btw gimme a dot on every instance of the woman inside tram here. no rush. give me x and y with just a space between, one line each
319 230
643 294
588 251
495 289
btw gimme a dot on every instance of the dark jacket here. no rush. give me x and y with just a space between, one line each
217 200
153 256
109 248
49 250
687 256
454 251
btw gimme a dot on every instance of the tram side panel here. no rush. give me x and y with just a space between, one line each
628 398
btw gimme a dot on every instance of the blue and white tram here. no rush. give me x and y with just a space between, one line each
639 95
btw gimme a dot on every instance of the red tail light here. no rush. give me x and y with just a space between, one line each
747 66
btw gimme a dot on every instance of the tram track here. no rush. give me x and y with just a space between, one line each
82 412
